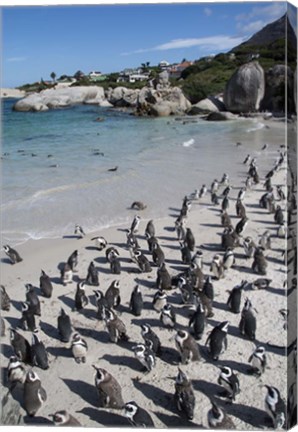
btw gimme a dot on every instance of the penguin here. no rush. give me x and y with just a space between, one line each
234 300
217 340
145 355
197 259
280 193
32 299
79 348
187 347
150 229
111 253
131 240
81 300
112 295
240 209
275 407
64 326
248 322
27 322
230 238
108 389
115 265
217 267
241 225
197 322
248 183
278 216
241 194
2 327
261 283
79 232
101 304
265 240
149 335
229 381
136 301
73 260
16 371
4 299
100 242
158 255
142 262
225 180
247 160
21 346
66 274
45 285
151 240
34 394
203 191
63 418
159 300
92 275
259 264
228 259
135 224
214 198
190 239
115 327
208 288
184 395
180 229
12 254
214 186
39 355
225 219
249 247
218 418
186 206
164 280
137 416
168 316
185 253
268 184
258 360
138 205
282 231
194 196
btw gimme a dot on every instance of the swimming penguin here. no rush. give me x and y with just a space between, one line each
265 240
4 299
217 267
150 229
79 348
240 209
100 242
159 300
112 294
149 335
259 264
12 254
168 316
136 301
63 418
187 347
92 275
21 346
27 322
73 260
108 389
184 395
190 239
81 300
145 355
249 247
66 274
203 191
218 418
45 285
138 205
261 283
34 394
234 300
197 322
78 231
158 255
225 219
163 280
258 360
16 371
278 216
137 416
32 299
135 224
142 262
275 407
228 259
64 326
115 327
241 225
229 381
217 340
248 322
39 355
185 253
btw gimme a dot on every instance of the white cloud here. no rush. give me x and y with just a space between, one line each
207 11
16 59
272 11
251 27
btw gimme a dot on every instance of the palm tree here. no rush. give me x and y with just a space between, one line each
53 76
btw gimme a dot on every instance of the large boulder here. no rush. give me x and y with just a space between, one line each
11 411
165 102
245 89
162 82
123 97
221 116
210 104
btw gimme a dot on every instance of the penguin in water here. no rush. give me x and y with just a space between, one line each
218 418
32 299
187 347
79 348
108 389
149 335
4 299
81 300
12 254
45 285
275 407
16 372
34 394
184 395
66 274
164 280
145 355
39 355
92 275
136 301
197 322
159 300
248 322
168 316
21 346
137 416
64 326
258 360
63 418
112 295
229 381
115 327
73 260
217 340
234 300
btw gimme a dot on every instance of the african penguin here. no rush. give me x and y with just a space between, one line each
112 294
79 232
168 316
64 326
63 418
145 354
229 381
92 275
248 322
81 300
100 242
21 346
159 300
108 389
197 321
16 372
217 340
79 348
45 285
39 355
258 360
4 299
149 335
115 327
163 280
137 416
218 419
275 407
184 395
66 274
136 301
32 299
12 254
187 347
34 394
234 300
27 322
73 260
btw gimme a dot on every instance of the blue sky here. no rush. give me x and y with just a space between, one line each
38 40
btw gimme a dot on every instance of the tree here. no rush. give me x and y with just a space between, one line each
53 76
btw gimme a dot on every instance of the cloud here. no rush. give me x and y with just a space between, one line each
207 11
251 27
16 59
272 11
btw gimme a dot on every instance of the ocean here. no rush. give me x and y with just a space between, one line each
55 165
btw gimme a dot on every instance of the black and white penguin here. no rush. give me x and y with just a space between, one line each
225 219
280 193
136 301
185 253
138 205
229 238
115 327
218 418
135 224
115 265
27 322
168 316
259 264
208 288
225 204
79 348
4 299
234 300
228 259
73 260
64 326
203 191
151 240
180 229
39 355
16 371
249 246
217 267
186 291
217 340
158 255
81 300
12 254
187 347
146 356
21 346
34 394
240 209
241 225
261 283
150 229
163 280
112 294
184 395
248 322
275 407
108 389
229 381
2 327
159 300
214 198
265 240
225 179
279 216
142 262
92 275
45 285
248 183
282 231
190 239
226 191
63 418
79 231
258 360
100 242
66 274
214 186
101 304
197 259
241 194
131 240
137 416
149 335
32 299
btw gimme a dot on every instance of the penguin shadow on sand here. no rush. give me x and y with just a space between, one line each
122 360
156 394
50 330
174 421
71 237
105 418
207 388
17 305
37 421
84 390
7 350
68 301
248 414
101 336
61 351
13 322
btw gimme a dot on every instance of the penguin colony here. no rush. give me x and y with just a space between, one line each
172 305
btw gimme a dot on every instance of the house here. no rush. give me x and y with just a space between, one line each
176 70
163 65
132 75
96 76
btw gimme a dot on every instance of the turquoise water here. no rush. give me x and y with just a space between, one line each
55 165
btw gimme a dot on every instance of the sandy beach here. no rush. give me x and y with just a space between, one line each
70 386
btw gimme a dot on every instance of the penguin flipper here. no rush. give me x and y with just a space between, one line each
42 394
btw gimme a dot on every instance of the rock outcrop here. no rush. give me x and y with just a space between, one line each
245 89
122 97
210 104
162 103
221 116
12 93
